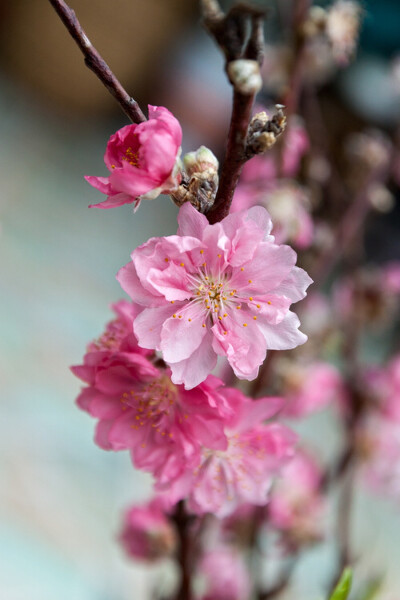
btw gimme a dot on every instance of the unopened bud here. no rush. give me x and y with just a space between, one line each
245 76
380 198
264 131
315 22
200 160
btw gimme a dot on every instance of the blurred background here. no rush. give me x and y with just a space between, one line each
61 497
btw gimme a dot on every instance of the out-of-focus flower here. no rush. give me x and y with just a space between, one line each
242 473
372 293
296 507
143 160
222 289
289 207
147 534
342 28
309 387
226 575
378 435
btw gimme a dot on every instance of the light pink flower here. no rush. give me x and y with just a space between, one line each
312 387
222 289
226 575
142 159
296 506
139 408
147 534
242 473
288 205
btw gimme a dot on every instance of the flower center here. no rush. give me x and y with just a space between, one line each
153 403
131 157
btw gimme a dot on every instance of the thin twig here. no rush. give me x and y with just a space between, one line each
95 62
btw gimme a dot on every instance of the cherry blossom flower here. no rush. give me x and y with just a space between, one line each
296 507
244 471
222 289
139 408
143 160
147 534
226 575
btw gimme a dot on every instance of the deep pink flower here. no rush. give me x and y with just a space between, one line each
227 577
139 408
242 473
222 289
147 534
142 159
296 506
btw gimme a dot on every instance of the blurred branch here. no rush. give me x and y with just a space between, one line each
182 522
95 62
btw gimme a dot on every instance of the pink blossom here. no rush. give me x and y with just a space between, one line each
222 289
143 160
147 534
296 506
244 471
309 388
139 408
288 205
227 577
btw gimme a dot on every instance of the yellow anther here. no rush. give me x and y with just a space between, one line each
206 277
250 281
189 319
113 166
250 298
182 264
244 324
203 325
255 318
172 301
201 251
166 259
238 308
242 268
269 302
220 318
174 316
219 256
258 305
225 314
180 317
204 264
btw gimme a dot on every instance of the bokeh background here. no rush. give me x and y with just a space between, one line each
61 497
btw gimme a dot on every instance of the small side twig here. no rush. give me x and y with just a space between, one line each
96 63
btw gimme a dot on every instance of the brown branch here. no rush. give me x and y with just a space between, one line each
95 62
239 34
235 156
